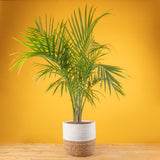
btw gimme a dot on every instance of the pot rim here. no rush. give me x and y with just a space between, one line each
91 122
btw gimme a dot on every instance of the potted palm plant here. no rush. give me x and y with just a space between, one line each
71 52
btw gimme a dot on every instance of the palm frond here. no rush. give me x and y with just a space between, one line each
71 52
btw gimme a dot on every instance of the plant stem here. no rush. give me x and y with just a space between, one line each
74 116
79 117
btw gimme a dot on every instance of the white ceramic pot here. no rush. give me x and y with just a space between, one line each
80 138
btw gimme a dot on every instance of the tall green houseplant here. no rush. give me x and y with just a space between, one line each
71 52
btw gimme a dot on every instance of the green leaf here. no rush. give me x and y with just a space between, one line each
41 28
62 86
53 84
56 88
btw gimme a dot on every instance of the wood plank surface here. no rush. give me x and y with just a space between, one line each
39 151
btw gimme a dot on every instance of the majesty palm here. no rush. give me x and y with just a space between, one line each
71 53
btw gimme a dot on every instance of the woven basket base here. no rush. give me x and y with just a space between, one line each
80 149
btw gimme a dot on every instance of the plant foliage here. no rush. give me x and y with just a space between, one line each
70 51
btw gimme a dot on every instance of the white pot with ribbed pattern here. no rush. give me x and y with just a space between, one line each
79 138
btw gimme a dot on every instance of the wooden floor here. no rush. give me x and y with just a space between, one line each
38 151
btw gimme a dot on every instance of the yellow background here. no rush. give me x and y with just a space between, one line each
28 114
